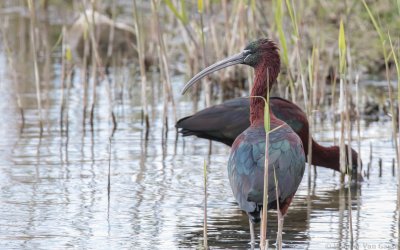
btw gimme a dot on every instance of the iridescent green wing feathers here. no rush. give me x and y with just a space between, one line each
246 165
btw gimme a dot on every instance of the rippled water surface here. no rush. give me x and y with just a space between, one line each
54 187
73 187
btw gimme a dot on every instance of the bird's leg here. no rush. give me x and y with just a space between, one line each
252 237
280 227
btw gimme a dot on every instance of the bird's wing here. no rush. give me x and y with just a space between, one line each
290 113
223 122
246 166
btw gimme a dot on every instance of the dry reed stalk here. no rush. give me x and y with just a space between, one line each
141 55
215 40
84 75
333 105
393 167
391 99
63 74
309 107
396 58
280 216
234 19
96 61
252 22
205 237
342 98
342 131
112 31
95 79
314 103
278 17
350 208
12 67
349 153
394 120
109 176
348 110
164 66
111 106
35 63
109 60
191 60
383 40
294 16
165 98
69 84
370 152
167 77
305 97
217 51
341 222
264 218
345 66
242 23
200 9
47 70
227 23
183 20
358 124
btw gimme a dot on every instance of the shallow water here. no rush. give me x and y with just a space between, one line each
54 187
73 187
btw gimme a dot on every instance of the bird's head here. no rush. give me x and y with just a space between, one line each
262 52
262 55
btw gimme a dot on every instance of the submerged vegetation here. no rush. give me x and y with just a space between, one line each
140 52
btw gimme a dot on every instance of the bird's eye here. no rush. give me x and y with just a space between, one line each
247 52
247 58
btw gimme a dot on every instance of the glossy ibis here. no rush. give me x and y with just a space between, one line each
224 122
286 156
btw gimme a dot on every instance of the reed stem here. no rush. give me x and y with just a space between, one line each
264 218
205 237
12 66
35 63
141 55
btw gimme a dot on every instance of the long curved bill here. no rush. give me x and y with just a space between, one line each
232 60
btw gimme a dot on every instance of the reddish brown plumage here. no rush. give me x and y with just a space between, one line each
286 159
266 62
329 157
266 72
284 206
224 122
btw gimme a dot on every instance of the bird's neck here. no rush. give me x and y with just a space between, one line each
326 156
264 80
